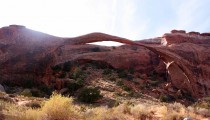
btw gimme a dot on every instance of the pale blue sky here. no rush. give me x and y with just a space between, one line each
133 19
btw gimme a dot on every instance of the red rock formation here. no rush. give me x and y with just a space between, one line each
24 53
29 54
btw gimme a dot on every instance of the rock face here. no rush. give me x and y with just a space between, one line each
25 54
29 55
189 66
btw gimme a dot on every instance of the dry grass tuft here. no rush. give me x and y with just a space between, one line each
102 113
56 108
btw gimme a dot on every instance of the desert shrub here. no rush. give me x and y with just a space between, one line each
30 114
96 49
8 83
153 75
77 73
188 96
35 92
141 112
56 68
59 108
114 103
166 98
102 113
80 81
107 72
122 73
73 86
154 83
112 78
98 65
120 83
28 83
56 108
126 88
79 76
46 89
33 105
129 77
207 99
131 71
62 75
135 48
67 66
89 95
145 86
10 110
26 92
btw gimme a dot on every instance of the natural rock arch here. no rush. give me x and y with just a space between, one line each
178 68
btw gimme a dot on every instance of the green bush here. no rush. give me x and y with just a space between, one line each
207 99
129 77
188 96
56 68
29 83
73 86
35 92
62 75
89 95
126 88
122 73
96 49
166 98
131 71
107 71
112 78
120 83
34 104
26 92
80 81
67 66
154 83
77 73
47 90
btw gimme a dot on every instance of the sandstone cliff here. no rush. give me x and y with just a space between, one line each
28 55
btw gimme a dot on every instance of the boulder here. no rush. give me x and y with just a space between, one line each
205 34
178 31
194 33
2 88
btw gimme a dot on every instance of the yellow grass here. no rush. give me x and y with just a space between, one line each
61 108
56 108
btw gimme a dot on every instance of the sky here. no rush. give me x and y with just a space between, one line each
132 19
